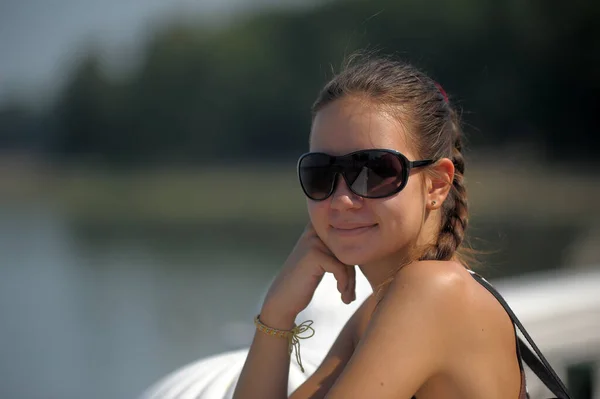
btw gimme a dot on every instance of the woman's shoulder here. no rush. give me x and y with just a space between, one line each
465 310
415 330
430 296
446 281
434 271
448 289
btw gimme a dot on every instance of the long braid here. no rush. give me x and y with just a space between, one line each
455 215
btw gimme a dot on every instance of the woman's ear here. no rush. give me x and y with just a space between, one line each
439 182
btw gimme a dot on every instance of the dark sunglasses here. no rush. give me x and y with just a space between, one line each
375 173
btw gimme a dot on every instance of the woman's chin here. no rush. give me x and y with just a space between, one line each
353 256
352 248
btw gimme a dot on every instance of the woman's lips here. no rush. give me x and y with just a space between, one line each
348 231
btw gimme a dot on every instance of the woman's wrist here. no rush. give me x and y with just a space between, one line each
276 319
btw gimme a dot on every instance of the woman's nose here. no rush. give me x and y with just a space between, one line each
342 197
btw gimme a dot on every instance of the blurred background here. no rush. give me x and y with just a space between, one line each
148 150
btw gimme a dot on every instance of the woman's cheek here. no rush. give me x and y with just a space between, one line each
317 212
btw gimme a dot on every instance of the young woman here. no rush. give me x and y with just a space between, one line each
385 190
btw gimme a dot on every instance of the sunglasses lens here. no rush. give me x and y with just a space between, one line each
369 173
375 174
317 175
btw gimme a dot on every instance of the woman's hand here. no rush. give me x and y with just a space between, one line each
294 287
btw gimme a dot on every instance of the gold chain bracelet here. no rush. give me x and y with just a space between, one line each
293 335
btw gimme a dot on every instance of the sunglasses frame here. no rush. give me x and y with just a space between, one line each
407 166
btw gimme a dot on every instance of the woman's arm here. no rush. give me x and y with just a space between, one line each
265 372
319 383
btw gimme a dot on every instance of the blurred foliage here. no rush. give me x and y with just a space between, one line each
521 71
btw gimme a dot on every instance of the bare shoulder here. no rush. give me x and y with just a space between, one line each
466 312
441 284
434 320
434 272
408 336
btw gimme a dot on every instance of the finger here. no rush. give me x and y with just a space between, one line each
354 289
350 293
339 271
345 275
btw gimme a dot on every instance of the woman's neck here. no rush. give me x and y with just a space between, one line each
382 272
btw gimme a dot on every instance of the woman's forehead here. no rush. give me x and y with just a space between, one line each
351 124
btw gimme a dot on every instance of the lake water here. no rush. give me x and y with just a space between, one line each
105 312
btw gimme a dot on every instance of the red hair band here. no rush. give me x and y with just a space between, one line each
441 89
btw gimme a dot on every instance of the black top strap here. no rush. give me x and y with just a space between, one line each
538 364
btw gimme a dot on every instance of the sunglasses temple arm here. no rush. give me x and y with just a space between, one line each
417 164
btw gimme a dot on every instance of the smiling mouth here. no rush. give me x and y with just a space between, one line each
353 230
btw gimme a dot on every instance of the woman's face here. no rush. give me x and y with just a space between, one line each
359 230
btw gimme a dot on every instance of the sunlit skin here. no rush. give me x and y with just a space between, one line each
396 223
436 333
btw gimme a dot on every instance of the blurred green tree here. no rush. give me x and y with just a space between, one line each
520 71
